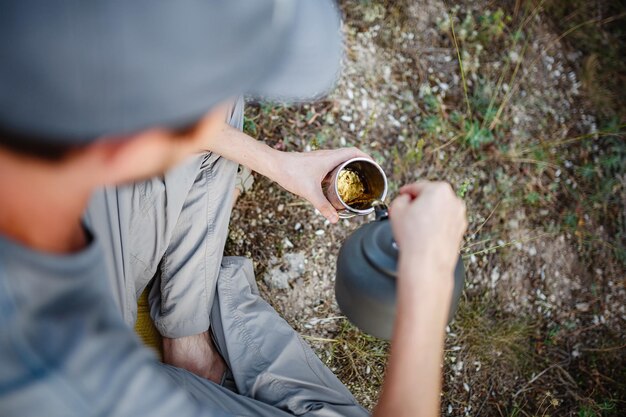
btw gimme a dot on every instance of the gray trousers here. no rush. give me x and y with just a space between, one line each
172 230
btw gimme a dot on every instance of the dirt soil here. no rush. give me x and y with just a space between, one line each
541 326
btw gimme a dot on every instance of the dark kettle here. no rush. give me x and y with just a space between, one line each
365 285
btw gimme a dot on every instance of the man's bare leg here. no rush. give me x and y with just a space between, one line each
197 354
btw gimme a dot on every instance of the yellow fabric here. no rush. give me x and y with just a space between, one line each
144 326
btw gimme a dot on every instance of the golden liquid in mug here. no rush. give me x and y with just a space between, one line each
353 190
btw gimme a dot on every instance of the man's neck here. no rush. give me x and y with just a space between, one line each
41 207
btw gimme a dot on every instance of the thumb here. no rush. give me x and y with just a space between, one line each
343 154
320 202
399 206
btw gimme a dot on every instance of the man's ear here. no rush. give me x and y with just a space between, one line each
153 151
116 160
136 157
92 163
148 153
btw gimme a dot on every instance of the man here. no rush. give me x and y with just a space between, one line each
101 94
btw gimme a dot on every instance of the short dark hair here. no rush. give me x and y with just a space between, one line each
55 149
43 148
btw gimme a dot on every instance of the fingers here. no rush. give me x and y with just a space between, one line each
360 154
419 187
399 205
323 206
341 155
353 152
414 189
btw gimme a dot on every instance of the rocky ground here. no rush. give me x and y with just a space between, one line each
508 101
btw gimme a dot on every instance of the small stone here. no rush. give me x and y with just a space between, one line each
285 270
277 279
584 307
495 276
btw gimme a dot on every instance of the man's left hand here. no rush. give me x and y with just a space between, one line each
302 173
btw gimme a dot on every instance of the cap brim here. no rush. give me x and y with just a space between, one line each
309 63
116 68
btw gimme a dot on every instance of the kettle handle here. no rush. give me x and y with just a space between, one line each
380 210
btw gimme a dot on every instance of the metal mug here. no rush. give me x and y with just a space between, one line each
370 174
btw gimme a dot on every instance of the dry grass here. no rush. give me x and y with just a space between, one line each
520 108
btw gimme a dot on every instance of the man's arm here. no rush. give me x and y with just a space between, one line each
299 173
428 222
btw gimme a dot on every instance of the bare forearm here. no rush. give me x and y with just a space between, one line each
298 172
413 382
235 145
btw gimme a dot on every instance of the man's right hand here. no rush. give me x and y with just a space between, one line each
428 222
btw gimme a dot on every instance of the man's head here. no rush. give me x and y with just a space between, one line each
115 159
128 88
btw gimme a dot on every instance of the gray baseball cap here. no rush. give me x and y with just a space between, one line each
74 70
